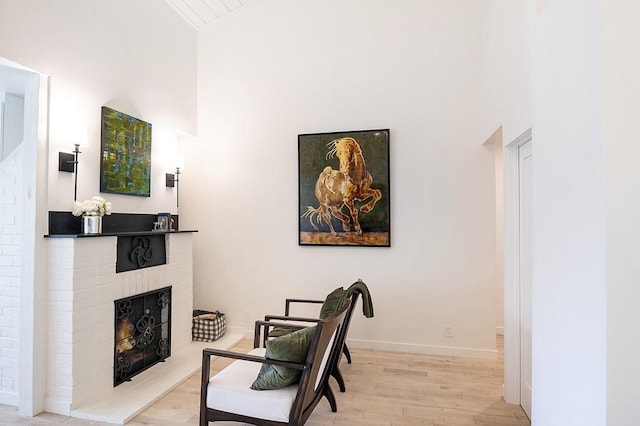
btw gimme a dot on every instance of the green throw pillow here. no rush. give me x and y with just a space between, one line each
280 331
291 347
333 302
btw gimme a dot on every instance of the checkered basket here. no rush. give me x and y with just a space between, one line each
208 326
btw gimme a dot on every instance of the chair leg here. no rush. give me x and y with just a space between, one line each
337 374
345 349
328 392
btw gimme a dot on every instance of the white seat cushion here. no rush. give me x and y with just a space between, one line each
230 391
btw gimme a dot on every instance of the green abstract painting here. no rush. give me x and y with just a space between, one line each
125 167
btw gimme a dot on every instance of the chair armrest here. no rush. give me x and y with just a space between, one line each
266 324
288 318
288 302
206 353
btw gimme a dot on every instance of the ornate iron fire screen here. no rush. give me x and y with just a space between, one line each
142 333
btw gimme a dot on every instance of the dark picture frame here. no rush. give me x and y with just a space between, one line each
125 165
344 189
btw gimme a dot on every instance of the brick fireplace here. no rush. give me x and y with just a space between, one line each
83 286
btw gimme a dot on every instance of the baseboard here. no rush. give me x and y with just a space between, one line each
424 349
9 398
500 330
240 331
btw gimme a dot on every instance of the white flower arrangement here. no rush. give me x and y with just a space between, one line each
96 206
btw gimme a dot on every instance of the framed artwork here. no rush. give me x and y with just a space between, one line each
125 167
343 184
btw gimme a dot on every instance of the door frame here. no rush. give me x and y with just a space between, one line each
34 248
511 391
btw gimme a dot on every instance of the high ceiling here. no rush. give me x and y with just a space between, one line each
199 13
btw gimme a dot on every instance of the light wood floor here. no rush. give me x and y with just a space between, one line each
383 388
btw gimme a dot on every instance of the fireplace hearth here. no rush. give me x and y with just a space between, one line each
142 334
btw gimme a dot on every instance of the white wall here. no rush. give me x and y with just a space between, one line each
275 69
621 72
10 265
505 67
569 270
137 57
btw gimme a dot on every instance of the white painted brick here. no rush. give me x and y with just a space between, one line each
12 292
95 286
5 323
14 210
10 229
60 392
6 219
8 383
8 352
64 380
59 307
6 363
10 312
60 296
10 265
8 200
11 333
60 339
84 276
11 250
5 260
85 296
82 344
10 271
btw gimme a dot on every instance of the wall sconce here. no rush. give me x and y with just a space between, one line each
69 163
171 181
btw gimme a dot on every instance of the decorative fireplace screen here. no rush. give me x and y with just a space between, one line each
142 333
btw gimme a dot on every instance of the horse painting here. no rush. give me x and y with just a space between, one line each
336 189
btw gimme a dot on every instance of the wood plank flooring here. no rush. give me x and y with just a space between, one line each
383 389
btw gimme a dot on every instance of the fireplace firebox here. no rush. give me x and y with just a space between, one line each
142 333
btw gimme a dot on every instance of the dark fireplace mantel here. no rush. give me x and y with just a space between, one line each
64 223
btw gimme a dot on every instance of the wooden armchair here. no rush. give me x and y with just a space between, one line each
342 335
227 396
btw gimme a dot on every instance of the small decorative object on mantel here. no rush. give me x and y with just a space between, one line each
164 222
92 211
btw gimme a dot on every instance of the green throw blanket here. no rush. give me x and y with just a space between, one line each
367 304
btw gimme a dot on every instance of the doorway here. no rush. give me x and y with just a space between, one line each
518 169
28 178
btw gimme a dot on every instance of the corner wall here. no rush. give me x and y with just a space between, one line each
272 70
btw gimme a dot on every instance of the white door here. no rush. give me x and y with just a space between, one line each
524 254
